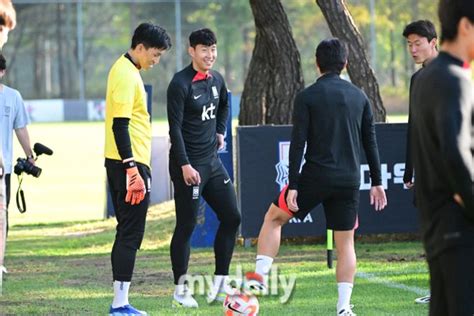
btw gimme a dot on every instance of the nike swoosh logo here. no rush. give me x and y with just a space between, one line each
196 96
229 306
226 181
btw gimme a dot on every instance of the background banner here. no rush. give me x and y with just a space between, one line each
263 171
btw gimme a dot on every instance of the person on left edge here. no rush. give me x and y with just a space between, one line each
198 109
7 23
128 154
15 118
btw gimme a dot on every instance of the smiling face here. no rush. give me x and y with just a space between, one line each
203 57
420 48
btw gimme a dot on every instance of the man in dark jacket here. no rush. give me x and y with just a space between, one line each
198 109
333 118
422 43
442 148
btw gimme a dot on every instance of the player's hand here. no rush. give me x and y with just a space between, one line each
135 186
408 179
220 141
378 198
458 199
191 176
291 200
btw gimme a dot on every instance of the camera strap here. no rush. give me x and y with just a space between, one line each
20 195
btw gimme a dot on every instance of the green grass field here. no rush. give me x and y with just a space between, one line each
72 184
64 268
58 252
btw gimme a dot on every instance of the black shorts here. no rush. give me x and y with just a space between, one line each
340 204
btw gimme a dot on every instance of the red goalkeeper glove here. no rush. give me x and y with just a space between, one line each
135 186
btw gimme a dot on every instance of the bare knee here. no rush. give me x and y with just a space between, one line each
344 243
276 216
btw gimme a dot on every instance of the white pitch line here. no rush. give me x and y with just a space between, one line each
374 279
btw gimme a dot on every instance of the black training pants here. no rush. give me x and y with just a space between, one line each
218 191
452 282
130 220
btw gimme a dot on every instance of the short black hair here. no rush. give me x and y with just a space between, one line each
202 37
422 28
331 55
151 36
3 62
450 12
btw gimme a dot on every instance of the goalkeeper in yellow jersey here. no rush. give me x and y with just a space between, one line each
128 154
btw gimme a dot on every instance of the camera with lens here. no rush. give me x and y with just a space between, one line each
23 165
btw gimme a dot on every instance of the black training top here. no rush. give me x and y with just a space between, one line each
408 174
333 117
442 146
197 109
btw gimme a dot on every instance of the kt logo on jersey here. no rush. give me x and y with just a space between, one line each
208 112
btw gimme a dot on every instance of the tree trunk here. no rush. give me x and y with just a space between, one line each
246 56
274 75
342 26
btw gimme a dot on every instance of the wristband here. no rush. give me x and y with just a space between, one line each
130 164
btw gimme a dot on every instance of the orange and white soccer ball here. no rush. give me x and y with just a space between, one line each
241 304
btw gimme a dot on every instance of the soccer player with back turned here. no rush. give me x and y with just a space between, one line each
334 119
